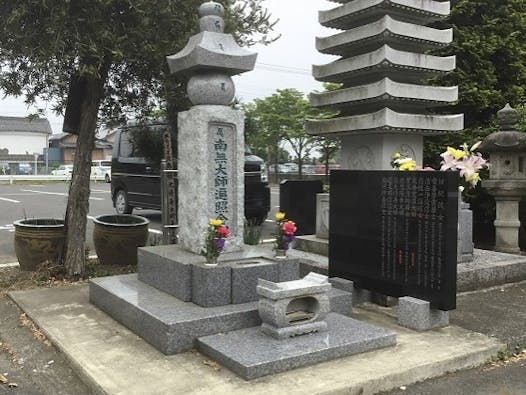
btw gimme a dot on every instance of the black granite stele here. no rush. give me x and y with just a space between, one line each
395 232
297 199
250 353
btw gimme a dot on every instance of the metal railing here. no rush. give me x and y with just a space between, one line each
12 178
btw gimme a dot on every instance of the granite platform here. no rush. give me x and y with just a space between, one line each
172 325
251 354
488 268
113 360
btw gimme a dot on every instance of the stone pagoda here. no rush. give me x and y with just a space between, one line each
210 140
384 103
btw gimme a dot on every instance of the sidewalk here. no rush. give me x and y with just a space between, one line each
111 358
499 312
93 344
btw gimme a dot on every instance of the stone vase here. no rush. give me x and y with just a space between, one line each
280 253
465 232
211 261
117 237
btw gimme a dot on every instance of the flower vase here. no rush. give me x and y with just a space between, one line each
212 261
465 231
280 253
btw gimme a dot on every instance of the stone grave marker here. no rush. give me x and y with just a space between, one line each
297 199
396 233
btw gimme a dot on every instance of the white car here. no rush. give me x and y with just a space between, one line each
63 170
101 169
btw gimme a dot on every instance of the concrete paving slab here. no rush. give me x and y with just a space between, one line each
113 360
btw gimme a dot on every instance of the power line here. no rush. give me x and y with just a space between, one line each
283 69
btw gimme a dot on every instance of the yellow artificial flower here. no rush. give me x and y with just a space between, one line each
456 153
406 164
216 222
280 216
396 155
472 179
409 165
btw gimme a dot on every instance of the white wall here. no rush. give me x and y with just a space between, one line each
24 142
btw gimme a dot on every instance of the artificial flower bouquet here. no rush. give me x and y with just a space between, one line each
285 232
466 161
215 240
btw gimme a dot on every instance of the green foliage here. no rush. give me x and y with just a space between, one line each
114 51
279 117
147 141
43 43
489 41
489 44
252 233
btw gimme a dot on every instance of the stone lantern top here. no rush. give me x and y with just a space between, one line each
507 117
211 50
508 139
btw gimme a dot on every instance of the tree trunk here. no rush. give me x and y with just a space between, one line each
79 190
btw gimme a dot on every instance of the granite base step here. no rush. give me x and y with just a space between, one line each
251 354
171 325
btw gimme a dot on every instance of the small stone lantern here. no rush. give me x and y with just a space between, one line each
507 179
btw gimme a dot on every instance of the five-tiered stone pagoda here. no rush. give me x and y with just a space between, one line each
384 103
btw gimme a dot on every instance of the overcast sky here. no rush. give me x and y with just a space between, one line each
285 63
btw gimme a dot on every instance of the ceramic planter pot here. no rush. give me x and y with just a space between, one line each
39 240
117 237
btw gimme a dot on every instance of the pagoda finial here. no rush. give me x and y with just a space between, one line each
211 14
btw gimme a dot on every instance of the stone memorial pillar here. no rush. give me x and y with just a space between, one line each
210 140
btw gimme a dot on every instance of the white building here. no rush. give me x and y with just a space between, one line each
22 135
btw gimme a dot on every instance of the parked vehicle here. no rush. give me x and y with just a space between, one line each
101 169
63 170
25 169
5 169
135 183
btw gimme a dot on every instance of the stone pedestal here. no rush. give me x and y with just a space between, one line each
508 194
211 180
507 225
418 314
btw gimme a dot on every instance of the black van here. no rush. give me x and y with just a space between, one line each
135 183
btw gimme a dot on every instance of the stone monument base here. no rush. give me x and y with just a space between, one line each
312 243
250 353
171 325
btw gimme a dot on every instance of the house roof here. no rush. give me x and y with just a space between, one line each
58 136
24 124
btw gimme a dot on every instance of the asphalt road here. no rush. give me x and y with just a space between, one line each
33 200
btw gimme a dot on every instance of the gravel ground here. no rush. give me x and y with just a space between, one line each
29 363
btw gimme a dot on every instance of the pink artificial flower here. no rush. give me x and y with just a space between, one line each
470 165
223 231
449 162
289 228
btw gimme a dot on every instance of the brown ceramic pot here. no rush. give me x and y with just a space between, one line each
117 237
39 240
